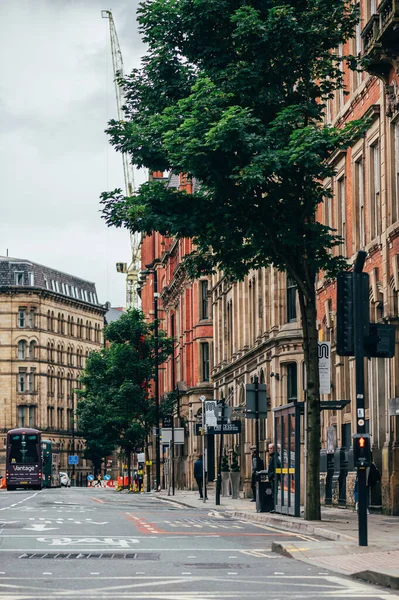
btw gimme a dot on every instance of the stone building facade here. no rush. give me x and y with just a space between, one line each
49 322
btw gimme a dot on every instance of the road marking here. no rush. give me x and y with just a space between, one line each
20 502
47 573
94 573
196 557
186 573
40 527
140 573
278 573
231 573
230 557
67 541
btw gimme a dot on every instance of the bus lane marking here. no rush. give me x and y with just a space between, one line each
67 541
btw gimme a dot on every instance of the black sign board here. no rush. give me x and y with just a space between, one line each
233 427
167 421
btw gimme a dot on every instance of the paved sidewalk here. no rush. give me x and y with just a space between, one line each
337 550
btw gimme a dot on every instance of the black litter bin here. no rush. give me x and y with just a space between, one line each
264 493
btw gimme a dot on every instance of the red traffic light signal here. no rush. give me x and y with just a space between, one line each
361 450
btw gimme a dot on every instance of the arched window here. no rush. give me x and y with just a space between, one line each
87 331
72 354
59 323
21 350
62 354
48 321
62 324
32 350
48 352
59 353
52 321
72 333
52 353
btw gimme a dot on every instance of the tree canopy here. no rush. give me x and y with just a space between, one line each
233 94
115 409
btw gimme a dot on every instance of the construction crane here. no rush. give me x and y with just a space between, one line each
131 269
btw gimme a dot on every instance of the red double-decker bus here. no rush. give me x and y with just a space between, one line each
24 459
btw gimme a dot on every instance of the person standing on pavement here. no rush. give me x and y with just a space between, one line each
274 463
198 474
257 465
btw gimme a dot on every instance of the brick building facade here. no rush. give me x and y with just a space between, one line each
185 313
256 322
364 210
49 323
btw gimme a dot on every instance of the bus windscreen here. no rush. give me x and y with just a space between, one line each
23 449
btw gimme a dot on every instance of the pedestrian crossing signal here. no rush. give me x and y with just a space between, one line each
361 450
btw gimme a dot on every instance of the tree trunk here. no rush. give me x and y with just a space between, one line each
312 399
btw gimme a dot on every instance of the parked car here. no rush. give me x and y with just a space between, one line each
65 479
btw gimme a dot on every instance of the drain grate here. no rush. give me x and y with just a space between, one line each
90 555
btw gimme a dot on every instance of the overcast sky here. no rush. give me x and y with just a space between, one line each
56 96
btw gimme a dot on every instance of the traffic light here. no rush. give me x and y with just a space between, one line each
345 329
346 308
361 450
381 341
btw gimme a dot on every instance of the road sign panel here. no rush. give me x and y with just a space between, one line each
233 427
73 460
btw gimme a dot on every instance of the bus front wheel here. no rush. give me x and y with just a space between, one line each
11 488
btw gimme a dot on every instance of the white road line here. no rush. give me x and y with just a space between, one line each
231 573
94 573
20 502
47 573
140 573
186 573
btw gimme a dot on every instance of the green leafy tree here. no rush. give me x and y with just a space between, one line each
115 409
233 94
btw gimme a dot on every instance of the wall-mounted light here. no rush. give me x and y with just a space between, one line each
276 375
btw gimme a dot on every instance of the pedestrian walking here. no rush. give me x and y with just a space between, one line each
99 481
274 463
198 474
257 465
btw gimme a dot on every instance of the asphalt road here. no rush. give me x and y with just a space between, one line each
100 544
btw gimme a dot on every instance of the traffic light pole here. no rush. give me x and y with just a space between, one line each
359 368
219 477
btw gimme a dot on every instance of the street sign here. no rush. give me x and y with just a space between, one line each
167 435
73 460
393 407
250 395
331 440
90 478
210 416
233 427
227 412
140 457
167 421
107 477
324 350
